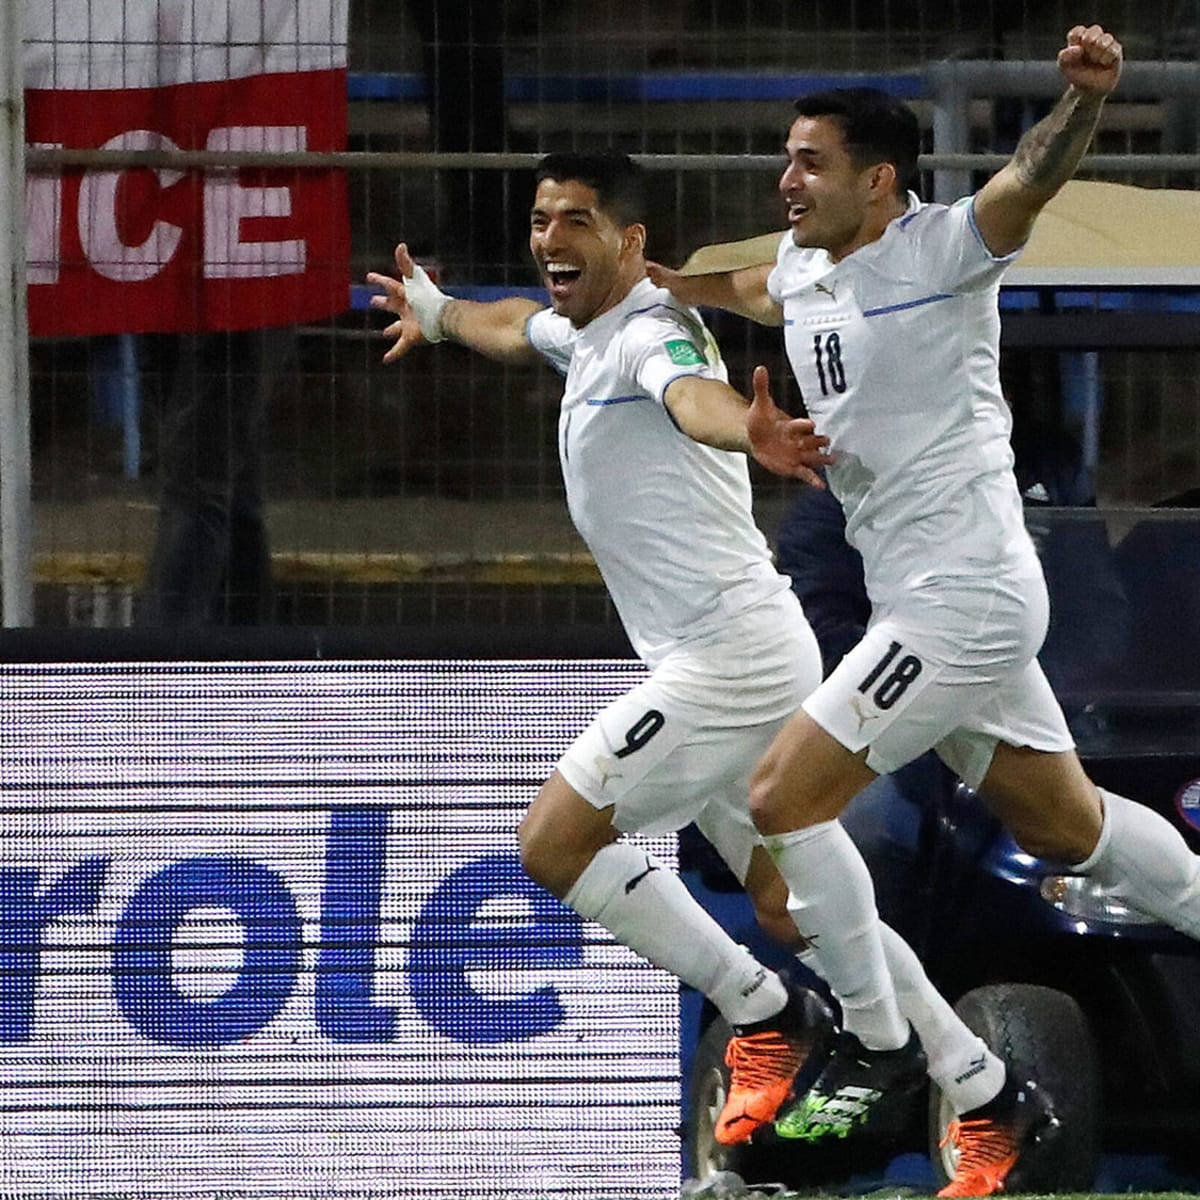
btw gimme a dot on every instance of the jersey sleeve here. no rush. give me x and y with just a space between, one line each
663 345
553 337
949 250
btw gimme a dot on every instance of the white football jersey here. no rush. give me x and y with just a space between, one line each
668 520
896 351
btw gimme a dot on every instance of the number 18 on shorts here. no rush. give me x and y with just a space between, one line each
867 699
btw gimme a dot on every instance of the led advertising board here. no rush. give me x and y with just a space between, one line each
265 932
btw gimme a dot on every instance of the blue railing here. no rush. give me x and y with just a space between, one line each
646 87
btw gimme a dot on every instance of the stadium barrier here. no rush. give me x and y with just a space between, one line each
264 931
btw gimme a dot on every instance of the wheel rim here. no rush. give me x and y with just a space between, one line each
711 1156
947 1151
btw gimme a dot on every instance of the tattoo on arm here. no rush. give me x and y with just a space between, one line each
1049 153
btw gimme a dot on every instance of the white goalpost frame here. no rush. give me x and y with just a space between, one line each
16 506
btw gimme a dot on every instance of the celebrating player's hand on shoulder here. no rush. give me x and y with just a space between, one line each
661 276
783 444
1091 59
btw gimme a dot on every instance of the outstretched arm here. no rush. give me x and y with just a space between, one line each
743 291
1049 153
427 314
711 412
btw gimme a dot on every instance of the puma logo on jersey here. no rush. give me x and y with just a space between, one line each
831 292
632 883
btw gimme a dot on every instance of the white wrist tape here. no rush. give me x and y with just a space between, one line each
427 301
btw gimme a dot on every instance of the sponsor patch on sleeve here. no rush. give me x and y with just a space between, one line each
684 354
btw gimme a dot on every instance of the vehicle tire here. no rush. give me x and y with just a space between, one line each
708 1088
1042 1034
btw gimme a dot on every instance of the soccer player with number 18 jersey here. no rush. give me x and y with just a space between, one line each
889 311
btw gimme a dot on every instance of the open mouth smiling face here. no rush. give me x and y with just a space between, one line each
577 248
560 278
825 191
796 212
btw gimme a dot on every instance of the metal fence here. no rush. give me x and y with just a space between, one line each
429 492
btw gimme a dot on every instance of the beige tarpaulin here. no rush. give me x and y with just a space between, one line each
1089 235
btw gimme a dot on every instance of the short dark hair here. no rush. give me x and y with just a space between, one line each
619 183
876 128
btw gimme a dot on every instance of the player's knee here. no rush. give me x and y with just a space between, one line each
546 861
1062 828
555 849
1062 841
765 794
536 843
775 806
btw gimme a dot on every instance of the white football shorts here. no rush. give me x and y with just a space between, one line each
682 745
950 666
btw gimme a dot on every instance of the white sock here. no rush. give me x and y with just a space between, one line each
832 900
646 907
959 1061
1144 861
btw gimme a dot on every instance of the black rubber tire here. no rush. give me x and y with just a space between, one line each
1043 1035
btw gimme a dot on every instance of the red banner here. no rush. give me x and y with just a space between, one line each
141 250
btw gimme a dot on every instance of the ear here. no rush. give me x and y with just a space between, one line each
633 239
882 180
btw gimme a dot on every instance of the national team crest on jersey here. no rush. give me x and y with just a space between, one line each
684 353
